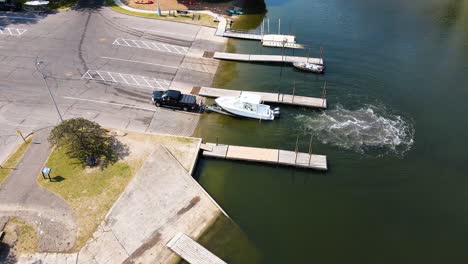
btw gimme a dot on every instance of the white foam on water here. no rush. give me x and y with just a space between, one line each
363 130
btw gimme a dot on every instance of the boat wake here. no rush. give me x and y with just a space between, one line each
367 130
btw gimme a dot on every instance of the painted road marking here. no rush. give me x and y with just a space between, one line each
165 32
151 45
123 78
117 104
149 63
12 31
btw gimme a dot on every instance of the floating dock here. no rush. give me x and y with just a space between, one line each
242 35
276 98
268 40
191 251
264 58
264 155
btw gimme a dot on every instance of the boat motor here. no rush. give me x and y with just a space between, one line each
276 111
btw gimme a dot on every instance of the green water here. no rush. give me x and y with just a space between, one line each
394 134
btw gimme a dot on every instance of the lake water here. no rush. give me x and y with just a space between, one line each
395 134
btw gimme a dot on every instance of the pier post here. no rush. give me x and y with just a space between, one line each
268 25
216 141
324 93
296 150
279 87
294 91
277 161
310 150
279 26
308 55
321 54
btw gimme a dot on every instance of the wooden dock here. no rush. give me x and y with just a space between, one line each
191 251
275 98
264 155
264 58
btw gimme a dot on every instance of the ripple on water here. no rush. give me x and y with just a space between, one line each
369 130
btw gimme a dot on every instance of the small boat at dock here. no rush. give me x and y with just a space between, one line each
247 105
311 67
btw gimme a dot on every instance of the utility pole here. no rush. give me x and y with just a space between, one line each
48 89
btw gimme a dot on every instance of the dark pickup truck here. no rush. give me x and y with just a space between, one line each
174 99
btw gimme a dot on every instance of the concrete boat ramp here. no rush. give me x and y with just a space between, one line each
265 58
276 98
264 155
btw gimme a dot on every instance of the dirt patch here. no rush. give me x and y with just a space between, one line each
18 238
152 241
219 7
164 4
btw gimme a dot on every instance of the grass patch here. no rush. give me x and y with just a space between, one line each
27 240
13 159
89 192
92 192
205 20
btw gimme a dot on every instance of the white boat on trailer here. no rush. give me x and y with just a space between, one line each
247 105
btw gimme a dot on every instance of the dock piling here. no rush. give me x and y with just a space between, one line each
310 149
216 141
294 91
296 150
324 93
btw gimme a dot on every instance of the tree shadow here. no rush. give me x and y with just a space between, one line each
6 255
121 150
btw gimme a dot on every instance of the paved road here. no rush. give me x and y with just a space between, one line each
71 43
21 196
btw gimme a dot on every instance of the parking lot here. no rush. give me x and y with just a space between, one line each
100 65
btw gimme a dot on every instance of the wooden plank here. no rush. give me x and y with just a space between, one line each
191 251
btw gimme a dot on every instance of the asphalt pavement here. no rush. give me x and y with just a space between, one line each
88 38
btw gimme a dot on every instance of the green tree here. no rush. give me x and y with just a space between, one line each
85 141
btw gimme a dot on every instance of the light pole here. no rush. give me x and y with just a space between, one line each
48 89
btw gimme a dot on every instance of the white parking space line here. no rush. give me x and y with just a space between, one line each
166 32
12 31
142 62
115 77
117 104
158 46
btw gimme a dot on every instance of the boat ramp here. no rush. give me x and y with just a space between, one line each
265 58
265 155
276 98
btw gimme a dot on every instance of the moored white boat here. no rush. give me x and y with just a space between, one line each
312 67
247 105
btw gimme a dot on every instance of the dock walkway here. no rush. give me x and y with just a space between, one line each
287 99
264 58
191 251
264 155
